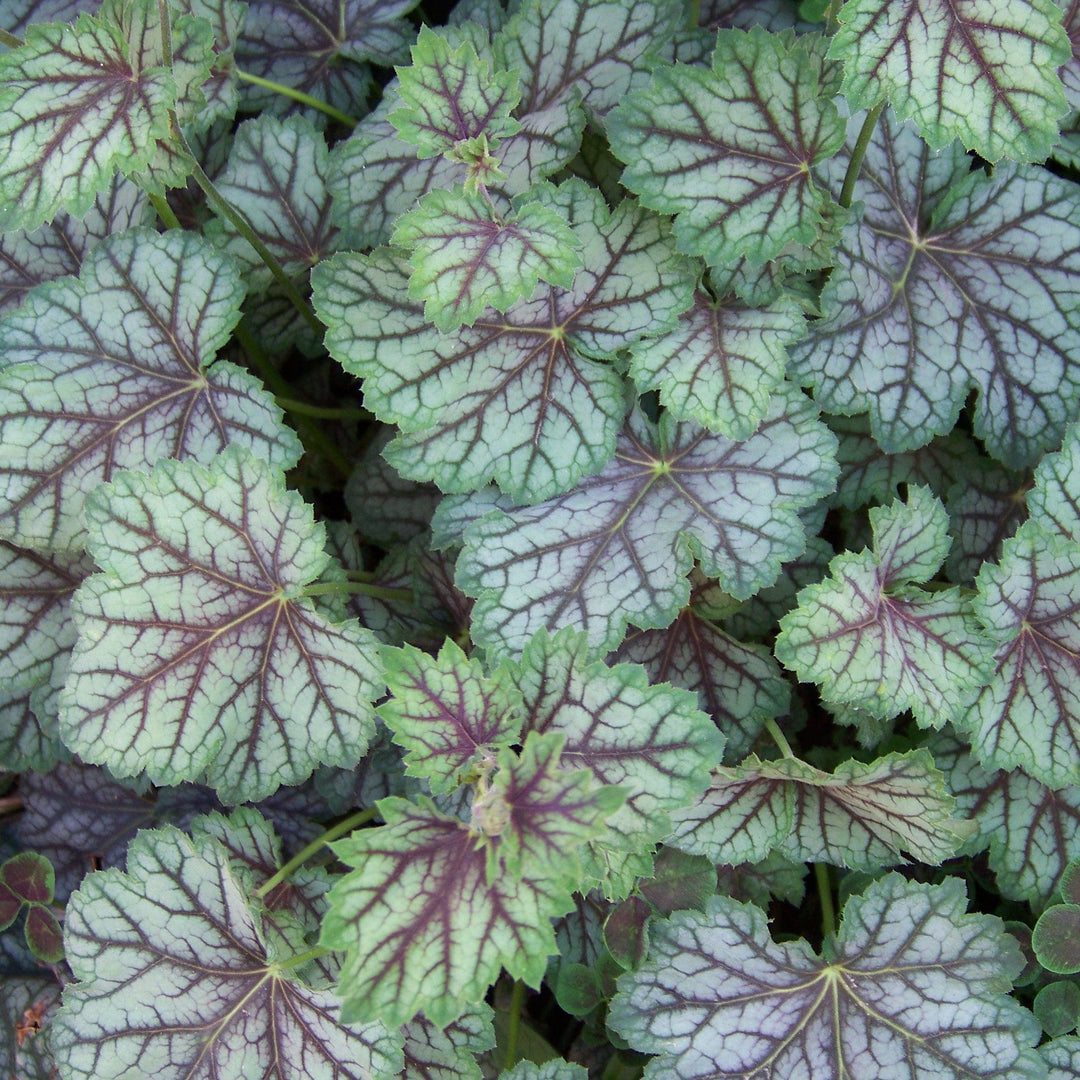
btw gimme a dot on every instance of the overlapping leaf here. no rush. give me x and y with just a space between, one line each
111 371
79 102
176 977
952 281
617 549
276 176
517 398
976 70
729 150
870 637
913 987
861 816
198 656
478 897
649 740
450 1052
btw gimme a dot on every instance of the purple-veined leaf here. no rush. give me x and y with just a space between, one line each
739 686
729 150
775 15
1063 1057
579 934
110 371
758 883
601 50
464 258
450 98
227 17
556 1069
448 1053
447 715
199 656
17 15
860 816
911 986
528 398
1054 500
1032 831
176 978
57 250
976 70
276 175
27 1006
870 637
320 47
651 741
617 549
36 637
985 509
721 363
479 896
951 281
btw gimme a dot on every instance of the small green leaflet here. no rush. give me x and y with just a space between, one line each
480 896
176 978
870 637
199 658
981 71
466 258
619 546
528 398
951 281
79 102
651 741
911 986
729 150
860 816
447 714
112 370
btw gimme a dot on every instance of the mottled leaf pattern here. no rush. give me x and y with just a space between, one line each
199 657
447 1053
111 371
175 979
977 70
914 987
618 547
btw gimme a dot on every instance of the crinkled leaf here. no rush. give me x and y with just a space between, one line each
869 637
721 363
618 547
861 816
729 150
517 398
175 979
464 259
604 48
977 70
951 281
650 740
199 656
276 176
1063 1057
451 97
56 250
447 714
448 1053
110 371
425 884
1054 500
917 988
739 686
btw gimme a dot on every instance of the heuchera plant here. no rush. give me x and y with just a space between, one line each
501 505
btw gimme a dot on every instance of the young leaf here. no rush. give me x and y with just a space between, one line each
521 398
869 637
465 258
425 885
447 714
175 978
199 656
729 150
452 100
617 549
914 987
976 70
861 816
111 371
951 281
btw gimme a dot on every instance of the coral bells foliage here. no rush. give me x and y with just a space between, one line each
540 542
